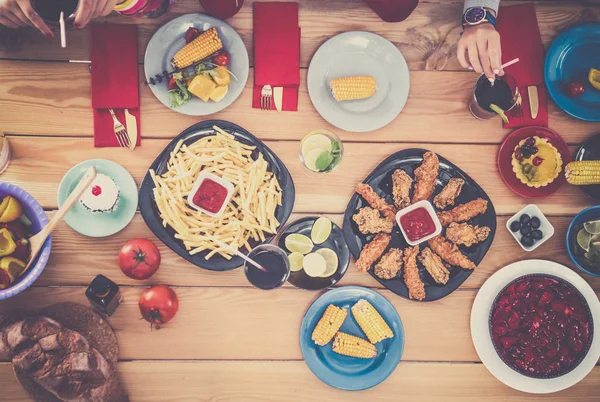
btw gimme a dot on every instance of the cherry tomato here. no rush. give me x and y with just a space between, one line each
222 59
172 84
191 34
574 89
139 259
158 305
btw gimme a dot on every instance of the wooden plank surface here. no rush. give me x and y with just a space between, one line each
292 381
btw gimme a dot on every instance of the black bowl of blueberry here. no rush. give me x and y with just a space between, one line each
530 228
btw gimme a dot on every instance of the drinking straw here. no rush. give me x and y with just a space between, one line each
63 34
240 254
510 63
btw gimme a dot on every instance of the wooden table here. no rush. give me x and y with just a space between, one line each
230 341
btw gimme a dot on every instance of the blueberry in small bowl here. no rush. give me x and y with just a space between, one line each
583 240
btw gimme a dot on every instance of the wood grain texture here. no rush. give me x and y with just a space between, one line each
68 267
292 381
54 99
38 166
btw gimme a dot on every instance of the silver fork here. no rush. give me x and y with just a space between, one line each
266 97
120 131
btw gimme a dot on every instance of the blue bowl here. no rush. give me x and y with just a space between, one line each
588 214
37 216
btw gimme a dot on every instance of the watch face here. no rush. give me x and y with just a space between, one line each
474 15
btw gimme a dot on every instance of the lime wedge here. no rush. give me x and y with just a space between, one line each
592 227
297 243
314 265
321 230
316 141
499 111
296 260
311 158
331 259
583 239
594 78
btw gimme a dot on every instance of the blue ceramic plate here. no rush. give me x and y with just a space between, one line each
344 372
570 58
103 224
575 252
170 38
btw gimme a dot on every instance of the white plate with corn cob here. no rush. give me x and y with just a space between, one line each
358 81
352 338
170 39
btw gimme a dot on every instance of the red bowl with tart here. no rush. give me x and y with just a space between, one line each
210 194
418 223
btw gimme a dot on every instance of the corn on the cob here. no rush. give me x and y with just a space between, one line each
582 173
350 345
204 45
329 324
371 322
352 88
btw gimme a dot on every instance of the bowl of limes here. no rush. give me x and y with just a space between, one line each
583 240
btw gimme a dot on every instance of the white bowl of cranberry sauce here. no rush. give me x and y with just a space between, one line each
541 326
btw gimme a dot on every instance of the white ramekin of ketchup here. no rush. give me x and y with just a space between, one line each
210 194
418 222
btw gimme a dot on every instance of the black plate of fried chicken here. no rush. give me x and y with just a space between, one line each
434 268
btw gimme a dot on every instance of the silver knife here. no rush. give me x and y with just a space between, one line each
131 123
534 103
278 98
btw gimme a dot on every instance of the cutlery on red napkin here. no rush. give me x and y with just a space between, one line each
520 36
277 51
115 83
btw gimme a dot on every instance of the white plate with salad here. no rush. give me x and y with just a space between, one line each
204 87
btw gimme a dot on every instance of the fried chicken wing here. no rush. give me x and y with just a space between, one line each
463 233
448 195
416 287
450 253
372 251
464 212
375 201
401 185
435 266
390 264
369 221
425 176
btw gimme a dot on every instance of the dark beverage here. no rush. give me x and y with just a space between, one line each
50 10
503 93
276 265
393 10
222 9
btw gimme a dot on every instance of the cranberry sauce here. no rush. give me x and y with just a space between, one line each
541 326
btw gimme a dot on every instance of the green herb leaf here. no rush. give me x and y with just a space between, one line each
335 147
324 161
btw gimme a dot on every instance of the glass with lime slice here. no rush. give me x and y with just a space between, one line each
321 151
494 98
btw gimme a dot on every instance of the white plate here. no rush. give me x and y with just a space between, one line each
170 38
359 53
480 332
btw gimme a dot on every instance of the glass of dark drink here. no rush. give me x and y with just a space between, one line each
393 10
50 11
222 9
275 263
503 93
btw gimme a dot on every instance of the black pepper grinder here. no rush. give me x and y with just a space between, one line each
104 294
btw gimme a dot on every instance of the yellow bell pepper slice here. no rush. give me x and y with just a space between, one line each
13 267
13 210
7 244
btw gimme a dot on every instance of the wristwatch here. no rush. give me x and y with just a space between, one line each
477 15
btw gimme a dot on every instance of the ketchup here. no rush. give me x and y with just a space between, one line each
210 196
417 224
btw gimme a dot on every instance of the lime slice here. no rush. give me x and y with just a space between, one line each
296 260
316 141
583 239
592 227
311 158
321 230
298 243
314 265
499 111
331 259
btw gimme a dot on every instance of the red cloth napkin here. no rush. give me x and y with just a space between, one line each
115 83
277 51
520 35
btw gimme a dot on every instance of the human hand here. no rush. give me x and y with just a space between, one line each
482 44
19 13
89 9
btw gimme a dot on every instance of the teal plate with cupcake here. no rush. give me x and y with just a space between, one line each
107 206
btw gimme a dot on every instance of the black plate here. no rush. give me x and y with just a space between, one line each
150 211
336 242
590 151
381 181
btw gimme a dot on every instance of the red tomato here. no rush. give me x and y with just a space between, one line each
139 259
172 84
191 34
574 89
222 59
158 305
